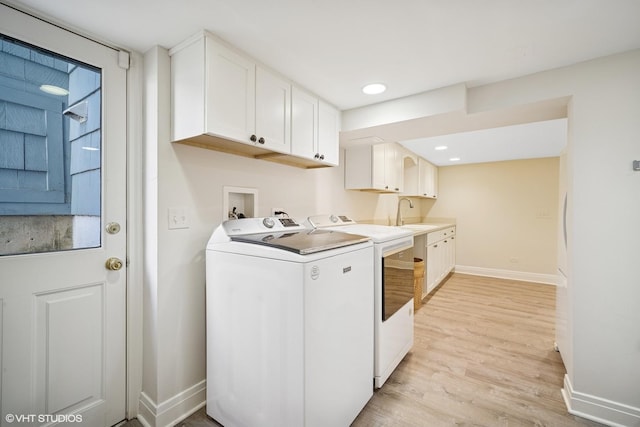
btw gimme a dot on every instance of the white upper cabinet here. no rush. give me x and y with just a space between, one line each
328 131
420 177
315 126
304 123
224 100
374 167
230 97
427 179
273 111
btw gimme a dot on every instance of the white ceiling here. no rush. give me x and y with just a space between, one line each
334 47
524 141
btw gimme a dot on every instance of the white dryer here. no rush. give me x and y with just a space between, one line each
289 332
393 288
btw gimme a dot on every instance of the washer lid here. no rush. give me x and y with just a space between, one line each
303 241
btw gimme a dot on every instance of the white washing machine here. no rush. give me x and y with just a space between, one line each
393 288
289 332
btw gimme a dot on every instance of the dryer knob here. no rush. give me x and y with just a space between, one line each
333 218
268 222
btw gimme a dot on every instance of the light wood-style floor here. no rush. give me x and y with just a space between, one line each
483 356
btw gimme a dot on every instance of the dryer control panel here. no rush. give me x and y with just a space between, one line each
238 227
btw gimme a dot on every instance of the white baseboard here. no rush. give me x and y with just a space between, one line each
549 279
173 410
597 409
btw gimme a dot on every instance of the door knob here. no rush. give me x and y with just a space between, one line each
113 228
113 264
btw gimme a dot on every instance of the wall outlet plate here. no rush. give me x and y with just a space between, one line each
636 165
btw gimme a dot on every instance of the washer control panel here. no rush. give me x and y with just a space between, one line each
236 227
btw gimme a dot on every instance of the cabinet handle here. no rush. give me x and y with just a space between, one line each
253 138
435 246
261 140
386 187
321 156
397 189
317 156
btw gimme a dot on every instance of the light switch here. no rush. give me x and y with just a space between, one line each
178 218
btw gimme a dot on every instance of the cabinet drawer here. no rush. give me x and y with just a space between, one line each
436 236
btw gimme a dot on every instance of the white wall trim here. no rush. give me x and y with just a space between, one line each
135 240
173 410
549 279
597 409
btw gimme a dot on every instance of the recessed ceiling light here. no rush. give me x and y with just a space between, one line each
440 147
374 88
54 90
454 159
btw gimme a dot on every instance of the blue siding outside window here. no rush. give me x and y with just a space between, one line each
49 164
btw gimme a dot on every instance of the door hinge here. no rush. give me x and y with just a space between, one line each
124 59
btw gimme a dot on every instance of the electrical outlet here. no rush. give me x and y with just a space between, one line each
543 214
274 210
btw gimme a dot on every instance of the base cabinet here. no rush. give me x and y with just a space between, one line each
441 257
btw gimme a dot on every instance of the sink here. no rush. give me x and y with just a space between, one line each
421 227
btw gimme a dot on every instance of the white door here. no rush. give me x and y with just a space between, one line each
62 182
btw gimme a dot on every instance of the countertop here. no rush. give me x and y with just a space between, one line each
427 227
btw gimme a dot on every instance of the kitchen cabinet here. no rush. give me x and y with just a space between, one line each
328 131
374 168
441 257
224 100
427 179
420 177
314 128
273 112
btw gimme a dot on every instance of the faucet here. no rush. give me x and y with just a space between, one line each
399 220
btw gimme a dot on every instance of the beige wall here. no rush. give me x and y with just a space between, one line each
603 141
506 213
181 176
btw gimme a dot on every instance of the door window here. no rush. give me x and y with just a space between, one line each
50 151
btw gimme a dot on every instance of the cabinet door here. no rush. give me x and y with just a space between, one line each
451 254
433 179
328 131
230 93
273 111
431 266
304 123
378 167
393 168
427 179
